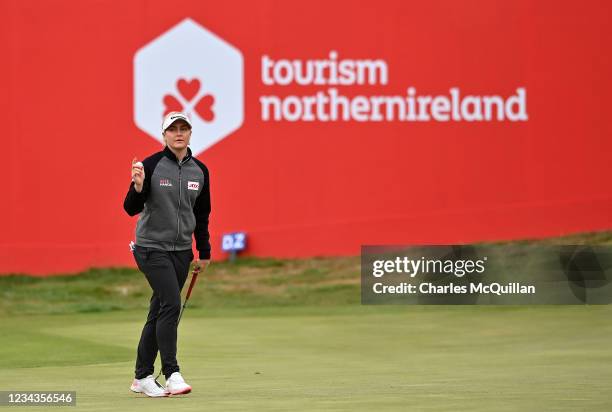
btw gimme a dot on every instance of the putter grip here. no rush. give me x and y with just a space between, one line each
194 276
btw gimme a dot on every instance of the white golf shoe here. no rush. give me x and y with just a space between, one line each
176 384
148 386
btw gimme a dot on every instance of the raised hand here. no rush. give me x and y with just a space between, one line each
138 174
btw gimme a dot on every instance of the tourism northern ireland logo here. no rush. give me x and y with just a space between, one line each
190 69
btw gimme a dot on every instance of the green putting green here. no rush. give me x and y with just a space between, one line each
345 358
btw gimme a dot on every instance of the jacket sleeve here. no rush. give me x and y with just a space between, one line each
134 201
201 210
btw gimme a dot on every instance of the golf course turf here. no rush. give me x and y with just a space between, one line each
276 335
343 358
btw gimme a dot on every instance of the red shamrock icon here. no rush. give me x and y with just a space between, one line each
189 90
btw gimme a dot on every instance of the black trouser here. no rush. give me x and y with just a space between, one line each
166 272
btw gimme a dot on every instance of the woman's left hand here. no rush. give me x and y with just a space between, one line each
201 264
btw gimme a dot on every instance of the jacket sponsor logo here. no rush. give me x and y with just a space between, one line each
193 185
165 182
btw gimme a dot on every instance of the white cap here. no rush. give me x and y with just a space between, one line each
173 117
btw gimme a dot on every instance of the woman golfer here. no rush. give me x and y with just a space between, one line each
170 189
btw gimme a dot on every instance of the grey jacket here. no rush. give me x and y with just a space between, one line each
173 205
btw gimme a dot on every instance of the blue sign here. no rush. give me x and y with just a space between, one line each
233 242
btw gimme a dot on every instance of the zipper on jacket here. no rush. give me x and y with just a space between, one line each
178 212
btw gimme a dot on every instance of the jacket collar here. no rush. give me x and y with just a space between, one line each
168 153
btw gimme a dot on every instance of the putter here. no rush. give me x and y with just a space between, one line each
194 277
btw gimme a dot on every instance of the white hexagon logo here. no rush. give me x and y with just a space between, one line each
189 69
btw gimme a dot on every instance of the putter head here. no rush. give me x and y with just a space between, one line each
157 383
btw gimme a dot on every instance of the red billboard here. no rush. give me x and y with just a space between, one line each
324 125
